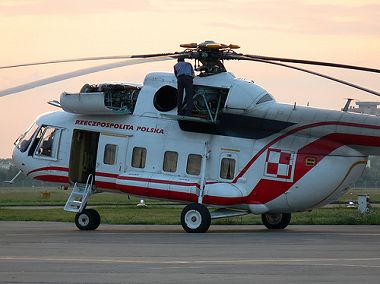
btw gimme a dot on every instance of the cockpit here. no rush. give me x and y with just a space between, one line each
23 141
40 141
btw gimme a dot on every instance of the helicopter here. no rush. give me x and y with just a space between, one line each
239 152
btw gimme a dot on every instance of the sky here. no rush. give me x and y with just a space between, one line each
344 31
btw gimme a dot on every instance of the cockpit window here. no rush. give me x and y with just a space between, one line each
24 140
36 140
265 98
48 143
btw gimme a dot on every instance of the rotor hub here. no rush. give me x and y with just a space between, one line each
209 56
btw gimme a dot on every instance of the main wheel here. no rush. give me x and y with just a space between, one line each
96 217
276 220
195 218
88 219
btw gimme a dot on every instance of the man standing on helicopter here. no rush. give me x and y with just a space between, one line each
184 73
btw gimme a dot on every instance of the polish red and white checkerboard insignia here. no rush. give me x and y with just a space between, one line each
279 165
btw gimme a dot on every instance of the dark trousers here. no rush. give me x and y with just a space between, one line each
185 83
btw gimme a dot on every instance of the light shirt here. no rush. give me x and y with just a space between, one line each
183 68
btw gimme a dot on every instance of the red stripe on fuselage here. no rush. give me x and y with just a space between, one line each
150 192
62 169
109 175
53 178
152 180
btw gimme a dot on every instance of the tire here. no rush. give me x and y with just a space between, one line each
195 218
88 219
96 217
276 221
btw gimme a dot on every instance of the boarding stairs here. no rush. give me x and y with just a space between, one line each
79 195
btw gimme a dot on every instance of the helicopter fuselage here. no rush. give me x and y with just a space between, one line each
250 153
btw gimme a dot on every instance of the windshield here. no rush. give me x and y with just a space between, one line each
24 140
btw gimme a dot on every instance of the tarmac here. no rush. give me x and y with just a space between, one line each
47 252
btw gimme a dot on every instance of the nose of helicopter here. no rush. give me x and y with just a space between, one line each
19 160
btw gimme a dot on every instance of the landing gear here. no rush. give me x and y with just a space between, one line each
88 219
195 218
276 220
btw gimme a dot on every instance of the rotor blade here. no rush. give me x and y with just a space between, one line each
314 73
87 59
311 62
78 73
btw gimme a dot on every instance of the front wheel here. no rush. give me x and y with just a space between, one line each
195 218
88 219
276 220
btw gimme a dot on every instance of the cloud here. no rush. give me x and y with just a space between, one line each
303 17
328 17
70 7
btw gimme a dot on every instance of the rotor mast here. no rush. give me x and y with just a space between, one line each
209 56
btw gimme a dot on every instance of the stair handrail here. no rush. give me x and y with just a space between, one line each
90 180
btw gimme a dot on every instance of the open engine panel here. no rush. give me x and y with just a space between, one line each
118 97
209 101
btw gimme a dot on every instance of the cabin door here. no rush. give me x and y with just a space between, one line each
111 160
84 146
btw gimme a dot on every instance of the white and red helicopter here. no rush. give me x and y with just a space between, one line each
240 152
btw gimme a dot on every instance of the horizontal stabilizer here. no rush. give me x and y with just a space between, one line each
55 103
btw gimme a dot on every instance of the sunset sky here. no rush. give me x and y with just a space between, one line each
344 31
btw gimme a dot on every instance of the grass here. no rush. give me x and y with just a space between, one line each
353 195
119 209
109 215
337 216
170 215
34 196
37 196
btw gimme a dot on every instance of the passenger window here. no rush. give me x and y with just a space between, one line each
194 162
110 154
170 161
227 168
48 144
138 157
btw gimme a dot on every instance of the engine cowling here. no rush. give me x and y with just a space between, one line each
102 99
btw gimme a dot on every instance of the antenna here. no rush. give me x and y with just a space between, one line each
14 178
347 105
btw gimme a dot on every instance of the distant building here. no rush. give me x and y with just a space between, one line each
366 107
5 164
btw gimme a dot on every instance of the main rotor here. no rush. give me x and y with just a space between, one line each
209 56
